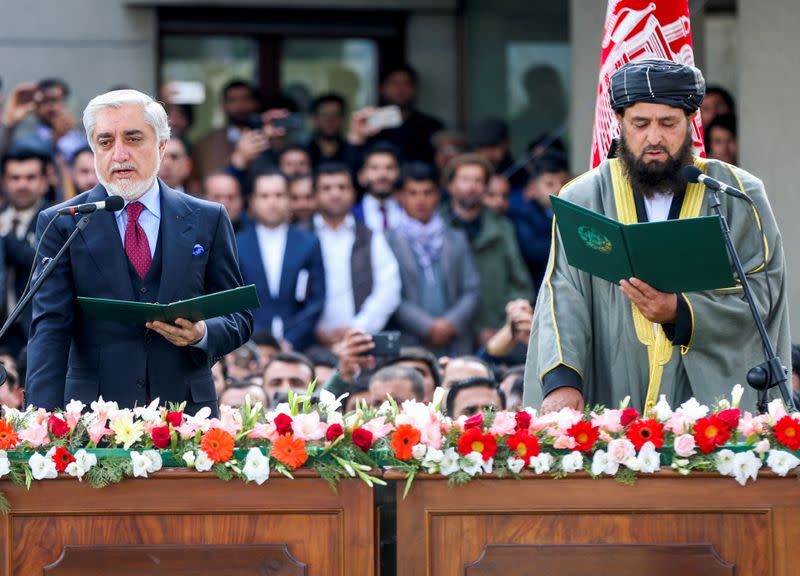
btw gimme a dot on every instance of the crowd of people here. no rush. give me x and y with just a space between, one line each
345 228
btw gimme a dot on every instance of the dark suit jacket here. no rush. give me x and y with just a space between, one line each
299 315
71 357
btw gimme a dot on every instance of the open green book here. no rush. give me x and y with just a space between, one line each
194 309
684 255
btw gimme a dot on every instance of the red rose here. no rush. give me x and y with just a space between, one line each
62 458
160 436
730 417
175 418
362 438
628 416
473 440
57 426
283 424
334 431
474 422
523 421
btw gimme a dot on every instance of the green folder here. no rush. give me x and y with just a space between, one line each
194 309
684 255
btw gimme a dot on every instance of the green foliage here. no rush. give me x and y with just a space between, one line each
109 471
329 472
458 478
5 507
223 472
626 476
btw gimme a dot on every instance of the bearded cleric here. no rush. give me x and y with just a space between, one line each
596 342
146 252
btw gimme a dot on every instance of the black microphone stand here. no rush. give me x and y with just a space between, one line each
770 373
48 269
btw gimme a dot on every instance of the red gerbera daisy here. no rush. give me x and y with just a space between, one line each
787 432
290 451
218 445
473 440
640 432
403 440
8 438
711 432
584 434
523 445
62 458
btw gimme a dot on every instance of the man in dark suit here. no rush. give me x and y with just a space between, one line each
163 246
285 264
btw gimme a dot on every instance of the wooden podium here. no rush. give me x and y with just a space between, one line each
181 523
667 524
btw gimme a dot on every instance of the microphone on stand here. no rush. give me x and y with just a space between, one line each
111 204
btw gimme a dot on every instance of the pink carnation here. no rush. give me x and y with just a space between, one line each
230 420
378 427
609 420
750 425
264 431
505 423
36 435
564 442
309 427
678 424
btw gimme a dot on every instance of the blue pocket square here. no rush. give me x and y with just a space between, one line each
197 250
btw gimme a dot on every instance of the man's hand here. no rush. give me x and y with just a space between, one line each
252 143
559 398
352 351
442 332
184 333
658 307
360 130
62 124
20 104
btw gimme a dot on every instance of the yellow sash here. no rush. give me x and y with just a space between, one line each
659 347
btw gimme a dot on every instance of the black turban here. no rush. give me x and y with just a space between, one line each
659 82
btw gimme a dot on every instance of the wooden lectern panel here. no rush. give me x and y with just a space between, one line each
598 559
175 561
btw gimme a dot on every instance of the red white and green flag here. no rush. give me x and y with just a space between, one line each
639 30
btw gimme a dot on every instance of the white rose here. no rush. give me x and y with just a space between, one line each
603 464
418 451
572 462
620 450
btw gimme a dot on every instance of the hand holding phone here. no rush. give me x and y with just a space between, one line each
386 117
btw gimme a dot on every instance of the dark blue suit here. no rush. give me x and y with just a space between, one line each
298 312
534 226
70 357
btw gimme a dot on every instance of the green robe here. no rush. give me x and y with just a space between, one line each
587 325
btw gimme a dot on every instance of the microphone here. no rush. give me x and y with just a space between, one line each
111 204
694 174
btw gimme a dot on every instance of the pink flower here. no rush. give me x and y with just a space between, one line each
684 445
97 431
678 423
564 442
621 450
762 447
505 423
421 417
752 426
264 431
230 420
605 436
378 427
35 435
609 420
309 427
41 415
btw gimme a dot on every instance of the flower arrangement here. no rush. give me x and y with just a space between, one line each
105 444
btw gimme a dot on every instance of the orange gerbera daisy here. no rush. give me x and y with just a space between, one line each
290 451
218 444
8 438
403 440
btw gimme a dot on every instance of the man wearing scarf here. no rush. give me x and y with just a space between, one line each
596 342
441 287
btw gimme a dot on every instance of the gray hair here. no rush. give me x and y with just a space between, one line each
402 373
154 113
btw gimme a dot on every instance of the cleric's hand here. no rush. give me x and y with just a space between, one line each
564 397
658 307
182 333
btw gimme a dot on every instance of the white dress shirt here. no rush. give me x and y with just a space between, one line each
149 219
373 217
657 206
272 245
339 311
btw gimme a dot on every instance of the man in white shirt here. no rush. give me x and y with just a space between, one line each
379 209
361 273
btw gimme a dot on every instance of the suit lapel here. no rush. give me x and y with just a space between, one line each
105 247
178 230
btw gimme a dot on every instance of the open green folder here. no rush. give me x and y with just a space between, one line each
194 309
684 255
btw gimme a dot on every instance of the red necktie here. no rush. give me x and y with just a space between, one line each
136 245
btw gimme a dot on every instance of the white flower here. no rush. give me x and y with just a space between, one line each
724 461
42 467
140 463
432 459
75 407
515 464
438 396
151 413
625 402
202 463
154 459
256 466
649 459
188 457
471 463
736 395
782 462
603 464
776 410
662 410
762 447
692 410
449 462
101 406
418 451
633 464
541 463
621 450
487 465
572 462
84 462
329 403
5 465
746 465
724 404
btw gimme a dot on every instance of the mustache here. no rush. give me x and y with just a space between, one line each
655 148
123 166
